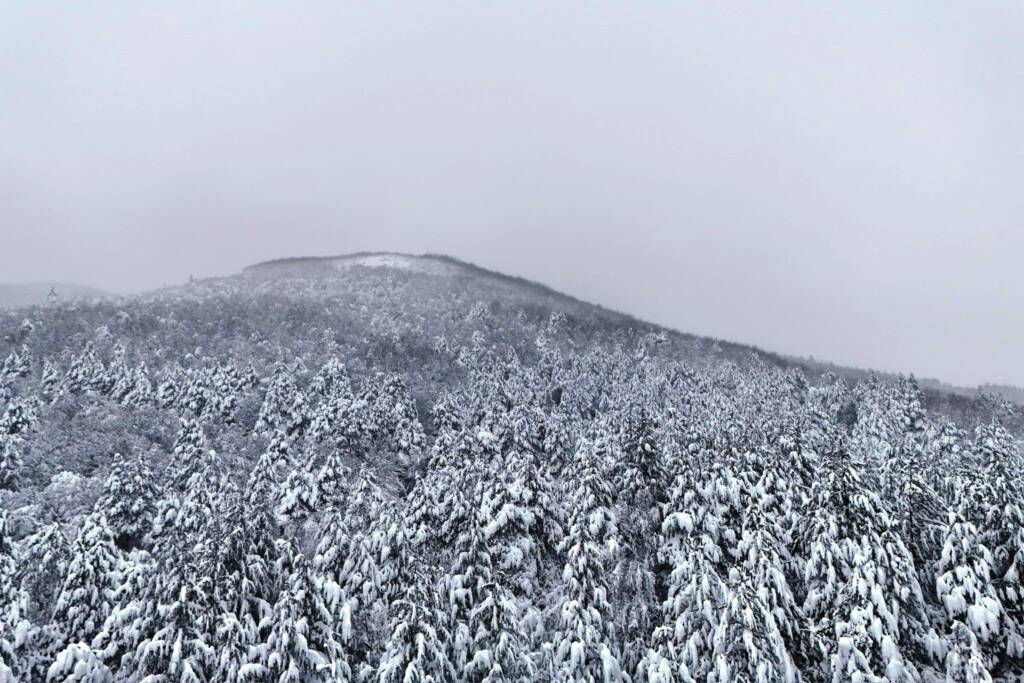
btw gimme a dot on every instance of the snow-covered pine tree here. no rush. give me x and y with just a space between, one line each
93 577
416 648
396 409
164 626
50 381
129 500
340 417
175 629
331 380
44 561
1000 493
682 646
11 600
641 481
250 378
583 642
333 479
311 489
850 660
19 417
301 646
140 392
438 508
236 648
857 574
965 661
169 387
762 570
944 456
279 405
196 396
866 625
498 647
78 663
485 644
191 456
246 581
525 523
87 373
265 479
748 645
417 642
349 559
17 420
123 629
226 384
906 486
121 375
17 364
964 587
11 463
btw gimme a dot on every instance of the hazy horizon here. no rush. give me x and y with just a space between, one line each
839 182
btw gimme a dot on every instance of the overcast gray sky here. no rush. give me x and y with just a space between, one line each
842 180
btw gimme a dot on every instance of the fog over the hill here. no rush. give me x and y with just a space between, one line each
842 181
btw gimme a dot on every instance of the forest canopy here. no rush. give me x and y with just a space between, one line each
384 474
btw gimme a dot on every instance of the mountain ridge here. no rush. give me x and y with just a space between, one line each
307 265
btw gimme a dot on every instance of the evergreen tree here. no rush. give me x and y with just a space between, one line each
415 650
180 615
748 645
964 586
349 559
773 603
11 601
77 663
19 417
865 627
236 643
11 463
395 408
245 582
524 526
486 644
139 390
94 574
311 489
584 646
331 380
641 483
44 560
129 500
683 645
301 645
192 456
857 574
965 662
169 388
50 382
1000 494
283 406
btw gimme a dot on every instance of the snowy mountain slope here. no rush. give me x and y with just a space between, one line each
385 467
30 294
431 266
444 274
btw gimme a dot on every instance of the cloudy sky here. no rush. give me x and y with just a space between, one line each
837 180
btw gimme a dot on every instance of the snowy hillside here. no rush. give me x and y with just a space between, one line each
394 468
36 293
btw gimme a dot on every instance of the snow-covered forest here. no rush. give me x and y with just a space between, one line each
403 475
